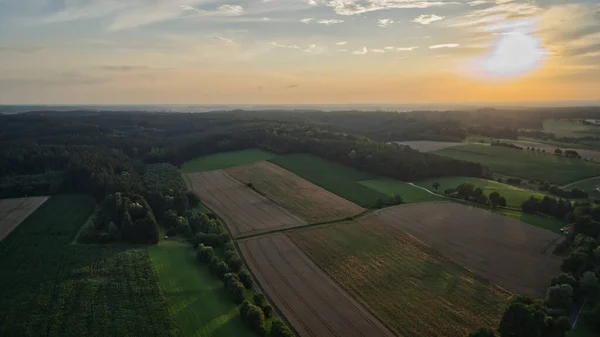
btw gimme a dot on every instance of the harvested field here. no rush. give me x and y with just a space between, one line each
589 154
412 288
245 211
506 252
14 211
306 296
429 146
305 199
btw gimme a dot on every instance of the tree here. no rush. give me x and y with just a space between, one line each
477 192
280 329
113 232
564 279
193 199
558 152
576 263
255 318
205 254
436 186
523 318
483 332
502 202
245 278
398 199
589 286
560 297
234 263
494 199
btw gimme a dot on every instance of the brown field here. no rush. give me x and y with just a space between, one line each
14 211
429 146
502 250
306 296
411 287
303 198
589 154
245 211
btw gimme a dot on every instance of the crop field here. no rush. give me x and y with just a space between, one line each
303 198
408 193
429 146
515 196
525 164
508 253
410 287
307 297
14 211
581 144
245 211
563 128
197 299
334 177
162 177
224 160
49 287
585 153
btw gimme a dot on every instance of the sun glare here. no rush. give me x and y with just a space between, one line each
514 54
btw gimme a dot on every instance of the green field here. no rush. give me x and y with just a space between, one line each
225 159
551 224
528 165
50 287
410 287
588 186
197 299
514 196
334 177
563 128
581 144
408 193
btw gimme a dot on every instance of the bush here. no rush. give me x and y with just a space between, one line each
223 238
234 263
234 287
280 329
261 301
253 317
205 254
229 246
245 278
193 199
207 239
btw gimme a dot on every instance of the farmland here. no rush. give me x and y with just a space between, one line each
392 187
409 286
14 211
49 287
585 153
589 186
429 146
514 196
311 301
303 198
224 160
525 164
564 128
196 298
334 177
245 211
509 253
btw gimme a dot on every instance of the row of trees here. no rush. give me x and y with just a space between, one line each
470 192
550 206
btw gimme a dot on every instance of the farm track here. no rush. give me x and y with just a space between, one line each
312 302
504 251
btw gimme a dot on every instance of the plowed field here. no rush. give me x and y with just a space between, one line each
305 199
14 211
307 297
245 211
506 252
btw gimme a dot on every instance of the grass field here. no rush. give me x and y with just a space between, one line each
334 177
408 193
408 286
514 196
49 287
582 144
589 186
563 128
196 298
225 160
524 164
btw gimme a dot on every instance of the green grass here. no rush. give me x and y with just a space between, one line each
410 287
514 196
50 287
563 128
550 224
225 160
589 186
408 193
197 299
584 145
528 165
334 177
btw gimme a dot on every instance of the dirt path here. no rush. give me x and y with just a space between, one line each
578 181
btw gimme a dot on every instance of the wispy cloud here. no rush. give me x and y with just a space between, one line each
279 45
354 7
121 68
310 48
377 51
341 43
383 23
362 51
406 48
307 20
330 22
223 39
447 45
427 19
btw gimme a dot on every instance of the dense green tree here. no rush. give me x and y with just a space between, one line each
245 278
523 318
494 199
280 329
560 297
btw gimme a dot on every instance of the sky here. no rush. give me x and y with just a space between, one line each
298 51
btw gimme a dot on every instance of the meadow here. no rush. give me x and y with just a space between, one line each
408 193
588 186
225 159
515 196
334 177
525 164
564 128
50 287
370 258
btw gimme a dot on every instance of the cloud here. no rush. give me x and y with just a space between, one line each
342 50
447 45
341 43
389 48
312 2
330 22
290 46
24 50
223 39
406 48
378 51
354 7
307 20
310 48
292 86
362 51
383 23
427 19
233 10
121 68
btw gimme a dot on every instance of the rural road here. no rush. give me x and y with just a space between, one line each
428 191
578 181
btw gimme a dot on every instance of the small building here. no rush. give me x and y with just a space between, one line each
569 229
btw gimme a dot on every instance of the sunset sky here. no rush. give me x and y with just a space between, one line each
298 51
